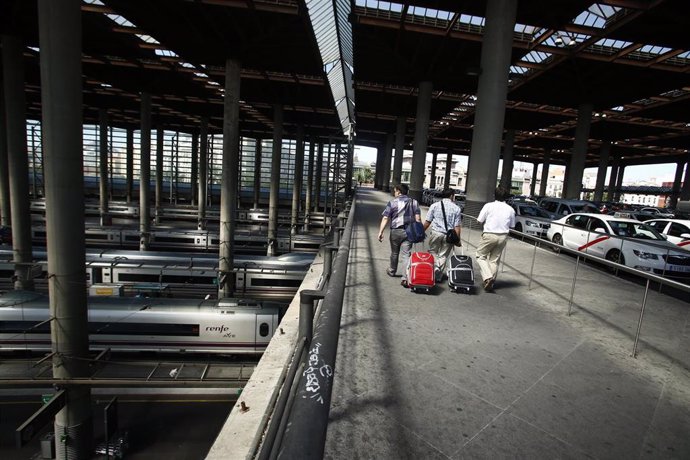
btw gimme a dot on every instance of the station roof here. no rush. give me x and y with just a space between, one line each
628 58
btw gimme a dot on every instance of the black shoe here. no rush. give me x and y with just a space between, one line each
404 284
390 272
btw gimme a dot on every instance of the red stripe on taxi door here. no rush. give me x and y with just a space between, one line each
683 243
598 240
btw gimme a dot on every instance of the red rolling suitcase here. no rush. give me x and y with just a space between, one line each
420 272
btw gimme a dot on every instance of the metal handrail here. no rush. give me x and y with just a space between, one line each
619 267
308 419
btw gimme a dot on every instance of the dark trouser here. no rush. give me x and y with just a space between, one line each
399 241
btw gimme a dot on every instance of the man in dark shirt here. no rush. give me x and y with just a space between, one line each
400 211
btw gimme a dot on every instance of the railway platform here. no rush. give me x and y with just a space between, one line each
506 374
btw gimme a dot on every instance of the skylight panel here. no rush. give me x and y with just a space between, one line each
611 43
474 20
618 108
167 53
518 69
651 49
536 57
120 20
33 48
148 39
685 55
524 29
200 74
383 6
186 65
597 15
94 2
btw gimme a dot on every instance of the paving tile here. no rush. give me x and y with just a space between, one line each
510 437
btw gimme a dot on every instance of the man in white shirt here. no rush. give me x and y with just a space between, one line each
498 218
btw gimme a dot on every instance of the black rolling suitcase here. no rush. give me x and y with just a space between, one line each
460 273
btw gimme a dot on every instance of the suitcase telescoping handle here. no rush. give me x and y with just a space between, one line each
462 250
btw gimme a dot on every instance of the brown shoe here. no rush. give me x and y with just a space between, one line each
488 284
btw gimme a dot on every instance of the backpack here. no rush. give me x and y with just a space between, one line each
414 230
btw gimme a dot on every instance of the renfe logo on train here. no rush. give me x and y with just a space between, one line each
220 329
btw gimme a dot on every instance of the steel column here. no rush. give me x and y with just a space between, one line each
160 135
545 172
145 176
103 165
257 174
507 171
490 108
601 172
5 216
432 178
619 181
317 178
17 158
400 128
576 167
533 184
310 185
230 177
129 165
275 180
195 169
61 101
203 173
297 183
387 153
613 178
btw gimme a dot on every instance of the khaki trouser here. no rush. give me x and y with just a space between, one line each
489 252
441 251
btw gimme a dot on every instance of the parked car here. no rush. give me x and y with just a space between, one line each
652 213
531 219
626 241
677 231
562 207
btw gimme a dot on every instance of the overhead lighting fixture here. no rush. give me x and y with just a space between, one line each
558 40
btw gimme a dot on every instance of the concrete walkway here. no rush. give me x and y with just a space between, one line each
505 374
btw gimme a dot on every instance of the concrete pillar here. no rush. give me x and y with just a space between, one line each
230 177
17 159
613 178
5 217
275 180
378 175
619 182
297 185
421 139
576 168
685 190
61 98
193 187
350 167
145 175
160 137
400 128
432 179
310 185
103 165
203 173
675 188
545 172
533 180
386 166
449 167
129 173
490 110
317 178
601 172
257 174
507 172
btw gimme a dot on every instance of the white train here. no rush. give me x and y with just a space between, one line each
182 274
229 326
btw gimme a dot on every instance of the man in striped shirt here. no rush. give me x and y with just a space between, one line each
400 211
438 246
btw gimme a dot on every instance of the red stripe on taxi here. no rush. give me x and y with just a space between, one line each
595 241
684 243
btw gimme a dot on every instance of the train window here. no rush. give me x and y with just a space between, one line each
20 327
186 330
275 282
263 329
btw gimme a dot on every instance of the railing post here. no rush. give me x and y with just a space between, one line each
306 312
639 322
328 260
572 289
531 270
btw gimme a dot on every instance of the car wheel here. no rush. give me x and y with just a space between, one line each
615 255
518 227
558 239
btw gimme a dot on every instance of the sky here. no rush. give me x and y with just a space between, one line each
650 173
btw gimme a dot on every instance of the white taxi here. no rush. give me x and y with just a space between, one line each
677 231
626 241
531 219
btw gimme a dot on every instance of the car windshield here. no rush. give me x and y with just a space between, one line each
634 230
534 212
